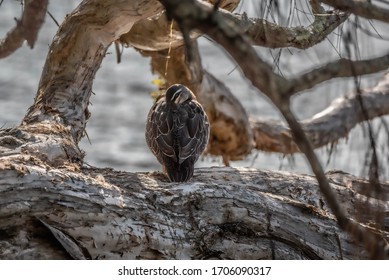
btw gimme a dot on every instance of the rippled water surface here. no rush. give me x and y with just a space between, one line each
121 101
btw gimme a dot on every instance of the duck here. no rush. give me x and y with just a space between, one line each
177 132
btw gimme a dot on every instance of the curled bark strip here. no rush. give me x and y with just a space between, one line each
26 29
231 135
70 246
156 33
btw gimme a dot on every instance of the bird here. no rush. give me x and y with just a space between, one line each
177 132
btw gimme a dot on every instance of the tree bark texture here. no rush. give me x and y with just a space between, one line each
75 56
223 213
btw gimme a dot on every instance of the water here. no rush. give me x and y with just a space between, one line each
121 101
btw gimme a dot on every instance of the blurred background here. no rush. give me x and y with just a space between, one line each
122 91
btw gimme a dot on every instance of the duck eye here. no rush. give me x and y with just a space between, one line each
176 94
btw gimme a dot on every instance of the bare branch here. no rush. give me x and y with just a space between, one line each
228 34
26 29
197 14
154 34
364 9
271 35
338 69
326 127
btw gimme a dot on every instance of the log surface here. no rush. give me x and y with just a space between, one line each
223 213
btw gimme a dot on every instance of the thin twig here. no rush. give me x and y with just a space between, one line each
53 18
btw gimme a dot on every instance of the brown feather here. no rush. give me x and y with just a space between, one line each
177 132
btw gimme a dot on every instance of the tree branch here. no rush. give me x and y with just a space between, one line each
271 35
155 34
375 244
326 127
26 29
338 69
75 56
228 34
198 15
364 9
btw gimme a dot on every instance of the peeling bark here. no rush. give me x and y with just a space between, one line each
75 56
223 213
231 135
156 34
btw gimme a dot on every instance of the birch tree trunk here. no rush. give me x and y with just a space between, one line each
52 206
